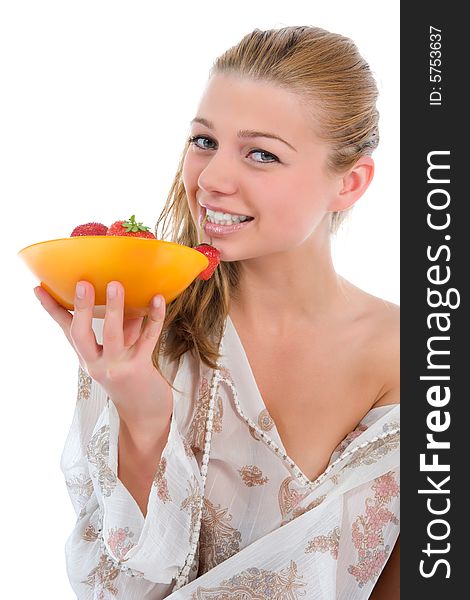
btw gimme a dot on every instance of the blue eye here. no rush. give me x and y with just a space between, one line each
195 139
265 154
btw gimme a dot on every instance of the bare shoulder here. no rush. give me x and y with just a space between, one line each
385 320
380 321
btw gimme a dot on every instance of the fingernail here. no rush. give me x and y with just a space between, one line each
112 291
36 294
80 291
157 301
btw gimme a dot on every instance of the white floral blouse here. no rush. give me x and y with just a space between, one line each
262 529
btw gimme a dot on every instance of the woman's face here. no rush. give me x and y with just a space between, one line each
276 174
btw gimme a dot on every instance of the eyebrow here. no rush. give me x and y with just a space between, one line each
244 133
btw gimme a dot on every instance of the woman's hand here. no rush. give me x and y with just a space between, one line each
122 365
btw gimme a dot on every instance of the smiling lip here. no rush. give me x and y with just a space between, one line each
218 230
219 209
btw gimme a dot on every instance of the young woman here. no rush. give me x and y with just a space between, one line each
243 442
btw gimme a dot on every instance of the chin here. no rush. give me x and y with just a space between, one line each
226 255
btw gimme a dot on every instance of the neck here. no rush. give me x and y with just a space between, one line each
285 292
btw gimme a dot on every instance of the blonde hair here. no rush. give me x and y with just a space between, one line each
336 85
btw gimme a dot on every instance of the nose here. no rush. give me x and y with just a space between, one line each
219 174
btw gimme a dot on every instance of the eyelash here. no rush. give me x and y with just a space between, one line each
192 140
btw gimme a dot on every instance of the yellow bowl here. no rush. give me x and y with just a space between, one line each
145 267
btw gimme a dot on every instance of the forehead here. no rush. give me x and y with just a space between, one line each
233 103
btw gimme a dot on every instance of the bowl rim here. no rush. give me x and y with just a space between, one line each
121 237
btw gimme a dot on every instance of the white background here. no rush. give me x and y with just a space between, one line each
94 111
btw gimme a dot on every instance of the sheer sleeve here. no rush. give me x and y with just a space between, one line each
369 531
113 551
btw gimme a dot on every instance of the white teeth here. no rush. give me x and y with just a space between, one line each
224 218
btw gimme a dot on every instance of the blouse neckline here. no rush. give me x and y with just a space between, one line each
231 334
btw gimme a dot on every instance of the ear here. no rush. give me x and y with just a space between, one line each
353 184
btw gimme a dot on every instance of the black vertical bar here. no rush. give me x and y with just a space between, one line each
435 233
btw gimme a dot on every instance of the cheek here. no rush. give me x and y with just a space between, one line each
191 170
296 216
292 226
287 207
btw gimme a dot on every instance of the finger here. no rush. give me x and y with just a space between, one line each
60 314
81 329
132 328
113 328
152 329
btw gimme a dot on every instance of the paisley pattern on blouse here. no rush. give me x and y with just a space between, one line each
325 543
101 578
257 584
81 488
348 439
226 375
289 498
98 455
297 512
254 433
375 450
252 475
118 541
368 530
265 423
187 448
84 385
191 503
90 534
197 429
218 539
160 482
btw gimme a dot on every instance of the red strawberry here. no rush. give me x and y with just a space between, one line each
89 229
130 228
214 258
